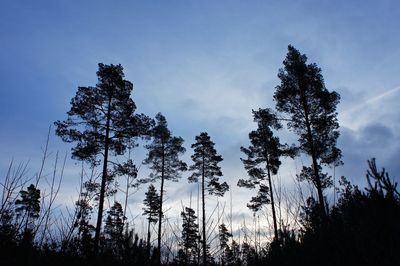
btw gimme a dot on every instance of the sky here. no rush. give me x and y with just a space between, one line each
205 65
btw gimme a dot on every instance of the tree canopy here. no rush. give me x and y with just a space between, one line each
312 112
102 120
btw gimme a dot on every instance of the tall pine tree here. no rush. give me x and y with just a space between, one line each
263 161
312 109
102 121
206 167
163 160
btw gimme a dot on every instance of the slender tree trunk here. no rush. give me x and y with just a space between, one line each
204 215
198 222
126 198
255 233
103 180
148 240
161 203
272 202
127 190
313 156
316 171
186 246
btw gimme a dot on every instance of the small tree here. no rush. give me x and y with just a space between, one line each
114 227
312 109
101 120
206 167
263 160
163 158
249 254
233 256
29 209
224 236
190 236
152 203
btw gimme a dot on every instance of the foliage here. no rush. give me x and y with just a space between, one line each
190 237
163 160
114 226
102 120
361 228
224 236
163 152
206 167
263 160
152 203
312 109
29 204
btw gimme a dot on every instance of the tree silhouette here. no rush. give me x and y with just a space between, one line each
114 227
163 160
29 207
379 181
224 236
84 241
152 203
312 109
206 167
263 160
101 120
190 236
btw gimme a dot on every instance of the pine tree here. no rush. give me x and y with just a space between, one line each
29 208
152 203
263 160
101 120
206 167
249 254
312 109
224 236
233 256
163 160
114 227
190 236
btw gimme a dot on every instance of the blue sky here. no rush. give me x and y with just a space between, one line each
203 64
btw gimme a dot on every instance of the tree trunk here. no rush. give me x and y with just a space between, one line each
204 216
316 172
103 180
148 240
160 210
198 222
313 156
272 202
127 189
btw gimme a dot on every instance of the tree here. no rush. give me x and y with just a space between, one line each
224 236
249 254
82 222
152 203
190 236
114 227
263 160
101 120
312 109
206 167
163 158
29 207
